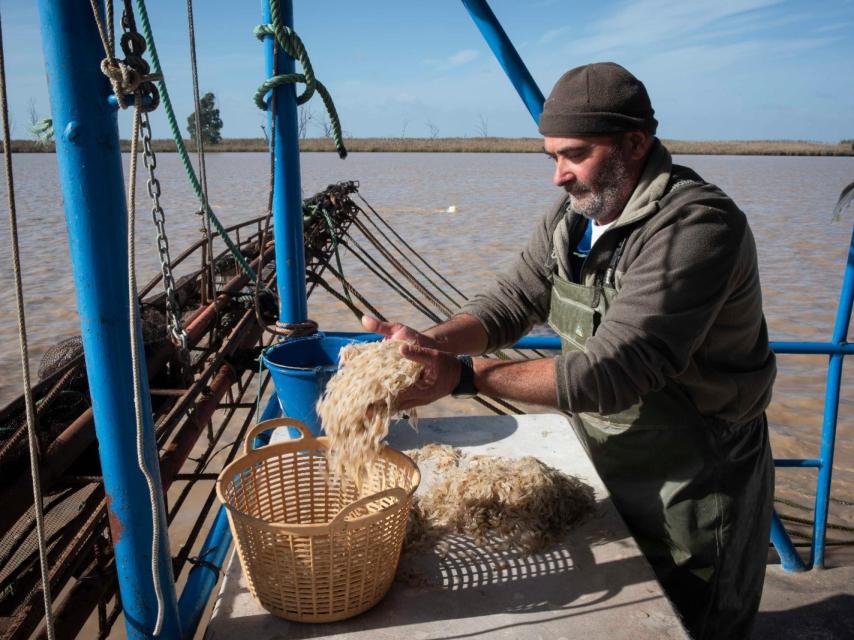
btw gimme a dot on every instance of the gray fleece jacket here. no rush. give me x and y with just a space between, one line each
689 306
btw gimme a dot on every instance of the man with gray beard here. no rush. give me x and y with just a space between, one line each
649 276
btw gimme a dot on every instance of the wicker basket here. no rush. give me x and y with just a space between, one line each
312 548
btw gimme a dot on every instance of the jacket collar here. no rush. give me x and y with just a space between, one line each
651 186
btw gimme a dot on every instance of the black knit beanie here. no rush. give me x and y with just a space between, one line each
598 98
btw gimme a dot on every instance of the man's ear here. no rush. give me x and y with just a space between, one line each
637 144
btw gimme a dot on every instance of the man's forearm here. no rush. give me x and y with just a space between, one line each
462 334
530 381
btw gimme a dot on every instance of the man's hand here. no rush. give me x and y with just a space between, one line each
440 375
398 331
441 371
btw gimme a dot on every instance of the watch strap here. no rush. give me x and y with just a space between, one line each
465 387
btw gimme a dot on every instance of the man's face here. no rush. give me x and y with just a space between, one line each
595 172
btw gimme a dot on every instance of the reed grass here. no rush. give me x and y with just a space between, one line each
489 145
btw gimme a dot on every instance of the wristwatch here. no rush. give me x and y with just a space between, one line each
465 387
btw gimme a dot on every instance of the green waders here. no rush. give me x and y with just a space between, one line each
696 493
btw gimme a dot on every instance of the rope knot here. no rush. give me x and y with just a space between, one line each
128 80
296 329
123 77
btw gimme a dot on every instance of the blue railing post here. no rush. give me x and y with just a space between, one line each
90 172
831 410
204 576
790 559
287 193
507 55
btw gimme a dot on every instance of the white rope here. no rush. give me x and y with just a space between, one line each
134 355
32 438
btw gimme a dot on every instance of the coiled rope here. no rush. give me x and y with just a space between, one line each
32 438
124 78
293 46
43 129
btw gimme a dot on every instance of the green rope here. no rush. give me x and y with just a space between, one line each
182 150
334 236
43 129
293 46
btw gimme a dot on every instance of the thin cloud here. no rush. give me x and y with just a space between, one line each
833 27
644 23
462 57
459 59
721 56
552 34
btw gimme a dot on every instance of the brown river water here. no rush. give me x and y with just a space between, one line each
497 198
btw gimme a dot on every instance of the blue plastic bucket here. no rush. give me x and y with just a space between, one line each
300 368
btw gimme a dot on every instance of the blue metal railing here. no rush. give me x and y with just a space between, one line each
507 56
203 576
92 183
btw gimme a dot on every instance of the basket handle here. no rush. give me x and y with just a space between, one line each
272 424
340 518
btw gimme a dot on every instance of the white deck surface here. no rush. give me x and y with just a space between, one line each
594 585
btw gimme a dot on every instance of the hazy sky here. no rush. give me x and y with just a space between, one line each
715 69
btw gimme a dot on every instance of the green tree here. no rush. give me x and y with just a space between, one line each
210 120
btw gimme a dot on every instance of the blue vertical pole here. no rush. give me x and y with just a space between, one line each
287 192
508 57
831 411
90 173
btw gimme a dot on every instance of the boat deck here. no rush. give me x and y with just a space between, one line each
596 584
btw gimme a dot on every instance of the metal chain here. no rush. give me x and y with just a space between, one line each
132 74
177 333
241 260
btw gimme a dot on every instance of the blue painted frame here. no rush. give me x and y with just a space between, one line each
287 188
91 177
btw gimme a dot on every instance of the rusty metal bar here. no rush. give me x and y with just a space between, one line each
215 440
191 249
184 552
195 329
179 448
16 497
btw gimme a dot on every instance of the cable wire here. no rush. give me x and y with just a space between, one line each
32 437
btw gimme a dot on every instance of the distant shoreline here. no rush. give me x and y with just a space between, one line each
489 145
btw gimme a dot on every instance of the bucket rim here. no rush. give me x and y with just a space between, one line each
320 335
